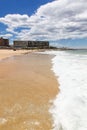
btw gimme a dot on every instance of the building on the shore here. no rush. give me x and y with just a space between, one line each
20 44
4 42
31 44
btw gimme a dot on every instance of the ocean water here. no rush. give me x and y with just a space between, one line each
69 110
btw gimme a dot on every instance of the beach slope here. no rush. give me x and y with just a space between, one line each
27 85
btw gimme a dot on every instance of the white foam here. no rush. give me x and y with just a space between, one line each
70 106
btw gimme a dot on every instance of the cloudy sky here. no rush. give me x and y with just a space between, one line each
63 22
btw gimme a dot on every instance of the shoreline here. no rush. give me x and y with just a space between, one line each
26 92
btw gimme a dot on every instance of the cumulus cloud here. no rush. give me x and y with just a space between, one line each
60 19
14 21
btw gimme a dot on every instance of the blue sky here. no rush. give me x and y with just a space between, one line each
20 6
63 22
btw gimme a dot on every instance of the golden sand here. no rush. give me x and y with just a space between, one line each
26 87
4 53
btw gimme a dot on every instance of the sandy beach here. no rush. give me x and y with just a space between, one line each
27 85
4 53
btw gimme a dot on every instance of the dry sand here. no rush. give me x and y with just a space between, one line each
4 53
27 84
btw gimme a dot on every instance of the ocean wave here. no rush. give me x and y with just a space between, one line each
70 106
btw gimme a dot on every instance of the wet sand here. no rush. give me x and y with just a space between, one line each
27 85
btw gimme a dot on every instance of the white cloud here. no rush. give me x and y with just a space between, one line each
60 19
14 21
8 35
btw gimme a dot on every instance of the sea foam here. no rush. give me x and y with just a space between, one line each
69 109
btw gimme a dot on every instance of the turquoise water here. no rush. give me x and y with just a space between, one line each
79 52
